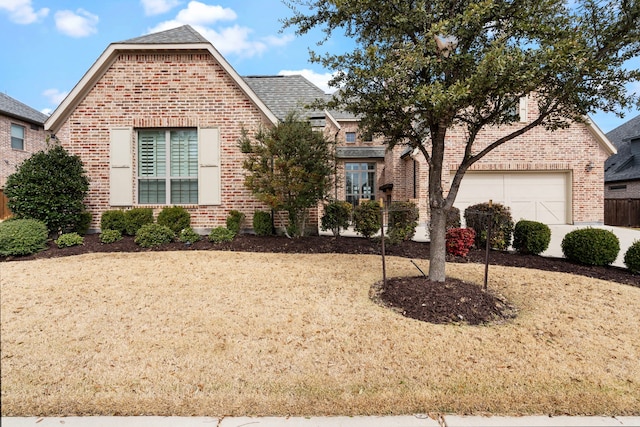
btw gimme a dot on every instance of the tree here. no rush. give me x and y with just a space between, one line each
419 68
50 186
289 168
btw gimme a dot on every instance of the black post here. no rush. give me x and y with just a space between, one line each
384 266
488 247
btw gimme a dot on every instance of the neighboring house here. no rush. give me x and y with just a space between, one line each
21 134
622 176
156 121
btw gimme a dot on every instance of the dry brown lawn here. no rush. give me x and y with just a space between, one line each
227 333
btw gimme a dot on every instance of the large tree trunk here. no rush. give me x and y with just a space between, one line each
438 250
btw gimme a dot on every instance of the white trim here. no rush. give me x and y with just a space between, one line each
600 136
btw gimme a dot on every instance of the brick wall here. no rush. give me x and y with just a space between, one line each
10 159
164 90
632 190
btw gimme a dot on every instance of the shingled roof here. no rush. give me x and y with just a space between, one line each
16 109
625 165
181 35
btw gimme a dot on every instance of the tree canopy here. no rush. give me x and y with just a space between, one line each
421 67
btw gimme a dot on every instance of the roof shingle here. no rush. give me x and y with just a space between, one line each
14 108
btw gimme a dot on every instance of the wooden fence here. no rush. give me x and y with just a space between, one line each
4 206
622 212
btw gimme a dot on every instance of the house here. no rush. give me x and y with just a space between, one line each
21 134
622 176
156 120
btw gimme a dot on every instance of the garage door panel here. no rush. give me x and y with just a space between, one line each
534 196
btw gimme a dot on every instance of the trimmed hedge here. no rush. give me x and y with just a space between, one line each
366 218
113 220
110 236
174 217
592 246
336 216
22 237
221 234
531 237
234 221
189 236
151 235
262 223
69 239
403 220
632 257
477 217
137 217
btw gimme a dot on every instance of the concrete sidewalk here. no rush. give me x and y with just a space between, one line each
364 421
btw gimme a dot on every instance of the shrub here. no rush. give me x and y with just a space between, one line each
453 218
592 246
460 241
366 218
84 220
221 234
531 237
174 217
262 223
234 221
110 236
69 239
632 257
136 218
150 235
477 217
336 216
113 220
188 235
403 220
49 186
22 237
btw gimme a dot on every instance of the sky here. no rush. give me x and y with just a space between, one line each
48 45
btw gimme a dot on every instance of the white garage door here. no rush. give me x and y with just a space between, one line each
539 197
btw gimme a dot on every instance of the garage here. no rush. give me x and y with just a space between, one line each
537 196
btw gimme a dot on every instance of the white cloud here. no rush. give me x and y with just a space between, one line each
198 13
157 7
234 39
54 96
22 12
76 24
319 79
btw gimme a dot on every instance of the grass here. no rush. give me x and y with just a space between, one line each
223 333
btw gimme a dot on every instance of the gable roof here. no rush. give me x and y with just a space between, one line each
181 38
13 108
625 165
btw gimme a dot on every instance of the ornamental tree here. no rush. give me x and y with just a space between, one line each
421 67
289 168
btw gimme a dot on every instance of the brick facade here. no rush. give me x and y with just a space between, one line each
34 140
164 90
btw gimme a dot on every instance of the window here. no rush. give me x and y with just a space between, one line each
617 187
168 166
360 181
350 136
17 137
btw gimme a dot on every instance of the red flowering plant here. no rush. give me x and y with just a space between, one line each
460 241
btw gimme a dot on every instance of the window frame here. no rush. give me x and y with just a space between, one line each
350 135
166 183
16 138
362 169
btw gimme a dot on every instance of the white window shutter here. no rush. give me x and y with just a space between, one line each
523 109
209 185
120 167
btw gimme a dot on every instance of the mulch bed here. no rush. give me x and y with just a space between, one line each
415 297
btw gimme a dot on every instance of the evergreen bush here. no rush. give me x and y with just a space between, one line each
477 217
234 221
69 239
262 223
151 235
336 216
174 217
531 237
113 220
135 218
453 218
221 234
50 186
22 237
592 246
189 236
110 236
632 257
366 218
403 220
